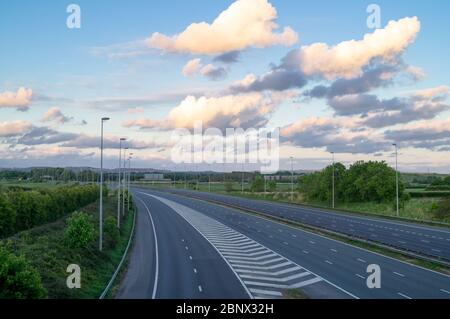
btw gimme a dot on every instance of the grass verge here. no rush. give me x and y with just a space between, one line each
45 249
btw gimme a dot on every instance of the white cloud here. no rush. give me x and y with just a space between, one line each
192 67
135 110
209 71
245 23
249 110
20 99
442 91
213 73
55 114
348 58
14 128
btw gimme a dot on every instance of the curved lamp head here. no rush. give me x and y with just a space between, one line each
105 118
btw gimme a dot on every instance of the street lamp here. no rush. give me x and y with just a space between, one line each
104 119
118 181
124 179
242 182
332 181
396 174
292 179
129 180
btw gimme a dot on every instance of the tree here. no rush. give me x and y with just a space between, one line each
18 279
257 184
112 234
442 210
7 217
362 182
80 231
228 187
272 186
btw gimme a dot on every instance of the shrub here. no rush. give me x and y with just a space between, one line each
7 217
443 209
228 187
272 186
257 184
80 231
111 232
33 208
18 279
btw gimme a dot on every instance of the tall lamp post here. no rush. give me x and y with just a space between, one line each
129 180
124 179
104 119
332 181
396 175
292 179
242 181
118 181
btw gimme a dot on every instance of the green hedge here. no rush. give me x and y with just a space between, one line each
21 210
429 194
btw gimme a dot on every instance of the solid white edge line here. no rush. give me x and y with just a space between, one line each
327 238
155 286
237 276
125 253
312 272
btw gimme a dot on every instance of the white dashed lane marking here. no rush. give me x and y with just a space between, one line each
264 273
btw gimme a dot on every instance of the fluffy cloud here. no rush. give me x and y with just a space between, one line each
209 71
433 134
333 134
84 141
278 79
248 110
55 114
14 128
347 59
44 135
213 73
229 57
20 99
192 67
246 23
371 78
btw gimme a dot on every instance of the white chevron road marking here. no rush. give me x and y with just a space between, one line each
263 272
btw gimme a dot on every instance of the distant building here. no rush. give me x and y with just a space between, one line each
154 177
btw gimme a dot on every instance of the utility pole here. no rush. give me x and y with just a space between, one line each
118 181
396 175
292 179
101 187
332 154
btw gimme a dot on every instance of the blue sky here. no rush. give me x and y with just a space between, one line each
73 70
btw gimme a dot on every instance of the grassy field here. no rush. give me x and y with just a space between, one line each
29 185
45 249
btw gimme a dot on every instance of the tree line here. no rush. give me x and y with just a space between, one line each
21 210
362 182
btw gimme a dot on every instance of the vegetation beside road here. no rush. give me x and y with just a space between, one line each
365 187
49 249
23 209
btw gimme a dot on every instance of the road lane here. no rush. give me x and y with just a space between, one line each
419 239
340 263
188 266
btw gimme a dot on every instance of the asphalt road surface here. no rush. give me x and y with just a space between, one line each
419 239
196 249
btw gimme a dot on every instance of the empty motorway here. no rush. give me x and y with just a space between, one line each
188 248
419 239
